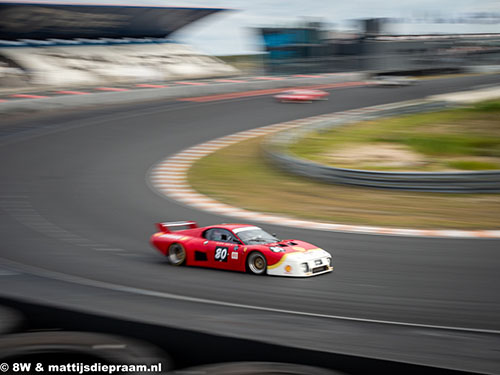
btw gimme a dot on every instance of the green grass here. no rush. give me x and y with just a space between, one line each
437 136
239 175
472 165
488 106
447 145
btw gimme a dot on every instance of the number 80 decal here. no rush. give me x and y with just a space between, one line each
221 254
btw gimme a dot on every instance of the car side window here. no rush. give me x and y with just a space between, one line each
208 234
220 235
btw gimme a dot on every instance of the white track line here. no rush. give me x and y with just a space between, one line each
41 272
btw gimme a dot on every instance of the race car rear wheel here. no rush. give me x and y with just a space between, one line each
176 254
256 263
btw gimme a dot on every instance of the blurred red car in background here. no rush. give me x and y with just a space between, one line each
301 95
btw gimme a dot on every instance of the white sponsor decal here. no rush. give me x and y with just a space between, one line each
234 255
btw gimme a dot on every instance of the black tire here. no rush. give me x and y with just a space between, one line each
176 254
256 263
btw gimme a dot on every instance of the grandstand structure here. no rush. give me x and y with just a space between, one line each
62 44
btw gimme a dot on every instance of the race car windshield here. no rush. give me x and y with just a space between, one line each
256 236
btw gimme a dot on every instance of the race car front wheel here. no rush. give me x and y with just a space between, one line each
256 263
176 254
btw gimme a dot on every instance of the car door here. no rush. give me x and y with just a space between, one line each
223 249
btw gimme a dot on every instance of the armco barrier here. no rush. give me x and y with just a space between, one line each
276 148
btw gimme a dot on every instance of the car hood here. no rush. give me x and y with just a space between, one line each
293 246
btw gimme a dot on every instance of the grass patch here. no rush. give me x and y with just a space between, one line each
488 106
473 165
437 136
449 145
240 176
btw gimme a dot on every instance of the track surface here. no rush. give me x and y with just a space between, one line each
77 207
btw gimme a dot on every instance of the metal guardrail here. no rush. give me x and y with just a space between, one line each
276 148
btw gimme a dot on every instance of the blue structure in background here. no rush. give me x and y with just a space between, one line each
312 49
288 43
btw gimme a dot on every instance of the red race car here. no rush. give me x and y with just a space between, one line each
239 247
301 95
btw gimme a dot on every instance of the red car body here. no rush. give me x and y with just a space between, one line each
301 95
224 247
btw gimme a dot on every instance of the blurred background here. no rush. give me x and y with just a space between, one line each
132 82
39 42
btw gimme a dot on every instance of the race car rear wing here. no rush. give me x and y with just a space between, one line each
166 227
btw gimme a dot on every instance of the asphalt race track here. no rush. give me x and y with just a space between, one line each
77 213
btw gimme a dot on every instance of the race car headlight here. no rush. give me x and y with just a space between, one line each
329 260
276 249
305 267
